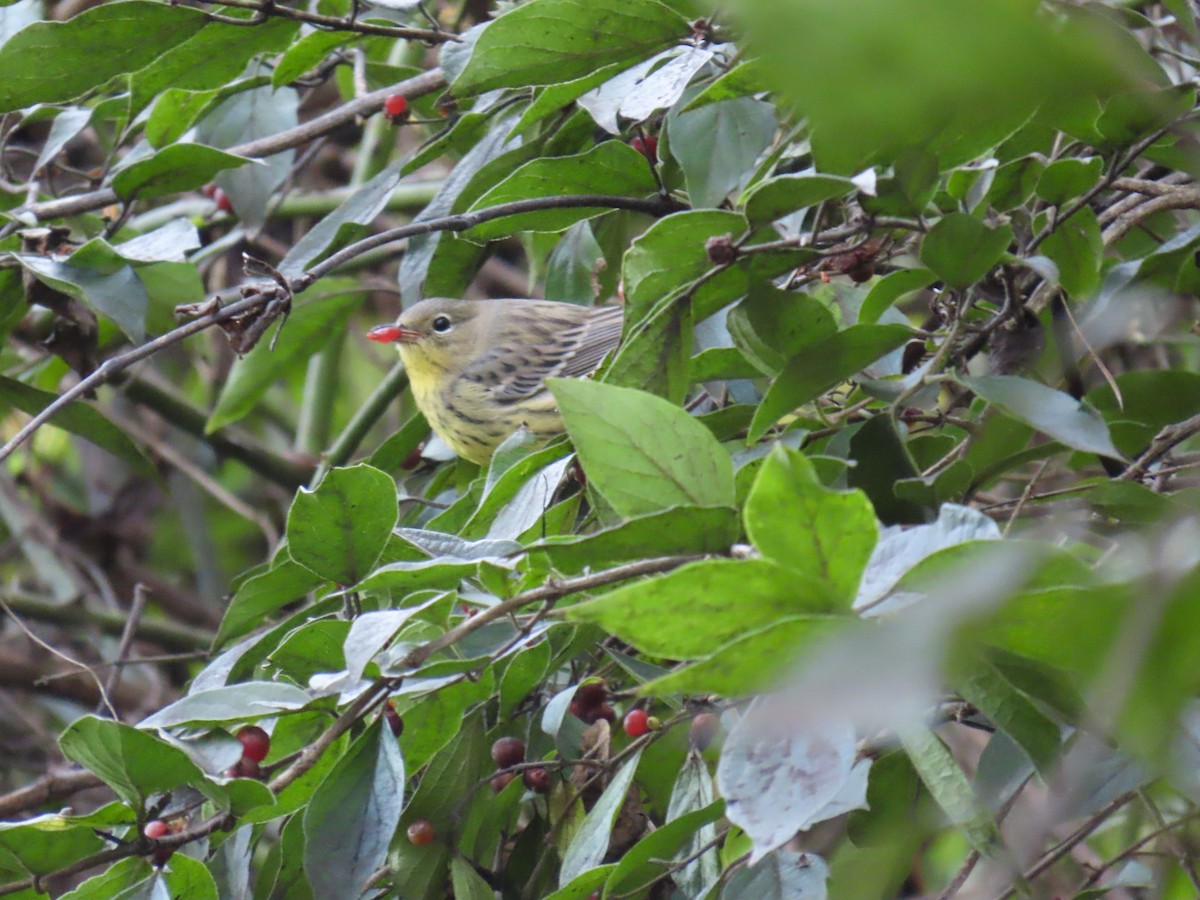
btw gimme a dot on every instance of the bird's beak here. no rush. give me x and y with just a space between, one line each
390 334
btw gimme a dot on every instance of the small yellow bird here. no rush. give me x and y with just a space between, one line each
478 369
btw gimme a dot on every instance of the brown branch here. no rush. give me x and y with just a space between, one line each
417 86
1164 442
263 11
47 789
168 635
1179 198
461 222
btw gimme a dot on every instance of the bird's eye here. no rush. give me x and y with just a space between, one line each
441 324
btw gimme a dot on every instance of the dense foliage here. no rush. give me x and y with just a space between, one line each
869 566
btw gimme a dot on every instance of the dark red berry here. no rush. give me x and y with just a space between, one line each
508 751
393 719
591 694
704 728
224 204
414 458
721 250
421 832
647 146
256 743
635 722
209 190
501 781
244 768
155 829
396 105
605 711
537 780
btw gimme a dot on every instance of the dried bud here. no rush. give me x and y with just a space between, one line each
721 250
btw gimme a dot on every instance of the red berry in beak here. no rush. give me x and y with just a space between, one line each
385 334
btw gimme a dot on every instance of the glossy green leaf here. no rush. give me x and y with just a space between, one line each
353 815
1057 414
179 167
612 168
339 529
797 522
1076 246
812 373
552 41
692 611
960 249
641 452
55 61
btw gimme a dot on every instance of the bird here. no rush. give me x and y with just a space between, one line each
478 368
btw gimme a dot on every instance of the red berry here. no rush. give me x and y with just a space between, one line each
421 832
244 768
209 190
704 728
507 751
393 719
155 829
591 694
501 781
395 105
647 146
256 743
576 710
224 204
537 780
635 722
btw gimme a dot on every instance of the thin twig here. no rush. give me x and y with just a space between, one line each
136 607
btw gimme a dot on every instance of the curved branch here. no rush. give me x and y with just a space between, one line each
461 222
262 11
417 86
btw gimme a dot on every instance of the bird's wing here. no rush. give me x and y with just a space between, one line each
561 344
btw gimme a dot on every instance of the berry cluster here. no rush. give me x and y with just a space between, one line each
510 751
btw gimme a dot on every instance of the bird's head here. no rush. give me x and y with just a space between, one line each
437 333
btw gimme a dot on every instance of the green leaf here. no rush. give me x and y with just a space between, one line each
777 197
752 663
353 815
744 78
76 417
890 288
641 452
961 250
176 168
259 596
950 788
95 275
822 367
311 324
232 703
47 843
340 529
644 860
612 167
670 253
305 53
985 687
133 763
1066 179
800 524
210 59
717 146
553 41
590 845
49 62
771 325
1056 414
695 609
360 208
1076 246
678 530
